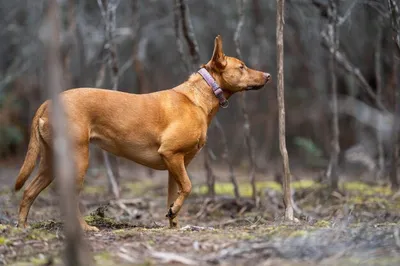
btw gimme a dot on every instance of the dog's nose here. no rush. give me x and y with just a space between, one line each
267 76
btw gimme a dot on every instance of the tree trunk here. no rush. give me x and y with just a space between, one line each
287 195
228 158
64 170
182 9
332 172
109 18
246 124
378 77
394 11
396 127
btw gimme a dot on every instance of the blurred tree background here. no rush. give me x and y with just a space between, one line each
366 73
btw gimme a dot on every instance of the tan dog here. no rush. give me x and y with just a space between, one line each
163 130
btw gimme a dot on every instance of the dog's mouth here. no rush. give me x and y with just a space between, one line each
254 88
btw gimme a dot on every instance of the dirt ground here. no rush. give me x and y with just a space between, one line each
358 226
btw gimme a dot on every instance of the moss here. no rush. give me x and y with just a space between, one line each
3 227
298 233
37 234
105 222
3 240
39 260
105 259
138 188
245 190
46 225
365 189
93 190
322 224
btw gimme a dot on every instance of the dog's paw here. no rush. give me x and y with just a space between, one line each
171 214
89 228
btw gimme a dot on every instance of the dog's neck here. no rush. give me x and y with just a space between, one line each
201 94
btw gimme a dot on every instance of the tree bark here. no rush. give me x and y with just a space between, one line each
76 252
287 195
378 77
187 28
396 127
109 16
332 172
246 124
228 158
394 12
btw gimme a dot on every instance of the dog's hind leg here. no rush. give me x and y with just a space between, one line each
37 185
172 195
82 163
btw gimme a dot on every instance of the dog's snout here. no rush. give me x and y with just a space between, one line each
267 76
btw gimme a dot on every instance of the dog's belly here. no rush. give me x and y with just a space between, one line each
140 153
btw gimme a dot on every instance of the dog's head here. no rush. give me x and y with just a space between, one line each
232 74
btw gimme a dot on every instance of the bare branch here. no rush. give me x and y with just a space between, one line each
350 68
341 20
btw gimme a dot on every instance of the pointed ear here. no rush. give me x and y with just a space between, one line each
218 59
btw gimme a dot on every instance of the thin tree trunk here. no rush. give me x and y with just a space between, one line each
70 43
332 172
142 80
394 11
287 195
109 18
226 156
378 77
190 38
246 124
396 127
76 252
188 33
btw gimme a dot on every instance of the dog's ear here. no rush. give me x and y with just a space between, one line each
218 59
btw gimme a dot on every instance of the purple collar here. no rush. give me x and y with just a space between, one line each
223 102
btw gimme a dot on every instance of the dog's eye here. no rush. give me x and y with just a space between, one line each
241 67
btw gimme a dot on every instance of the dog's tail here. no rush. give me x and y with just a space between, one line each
33 150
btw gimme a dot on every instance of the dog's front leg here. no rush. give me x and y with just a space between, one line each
172 195
177 172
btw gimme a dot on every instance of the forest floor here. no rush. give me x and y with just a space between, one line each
359 225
